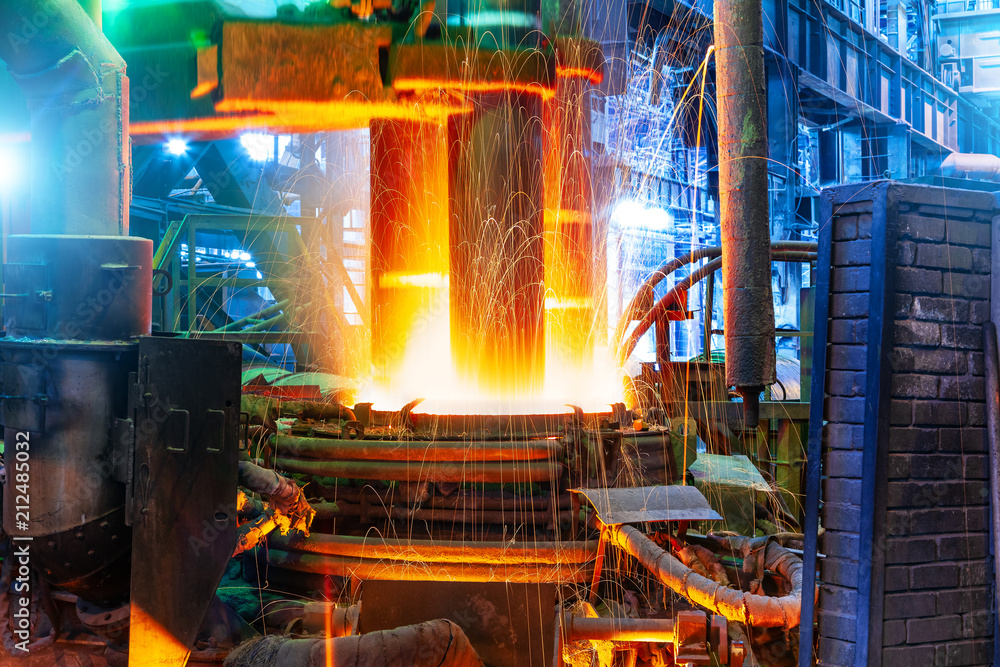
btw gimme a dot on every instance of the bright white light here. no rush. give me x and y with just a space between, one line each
260 276
245 256
9 169
251 265
176 146
259 146
632 213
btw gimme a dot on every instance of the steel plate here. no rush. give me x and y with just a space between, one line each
649 503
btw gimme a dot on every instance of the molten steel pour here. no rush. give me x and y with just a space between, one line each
483 266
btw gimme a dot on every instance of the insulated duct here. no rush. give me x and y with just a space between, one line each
978 166
77 92
746 264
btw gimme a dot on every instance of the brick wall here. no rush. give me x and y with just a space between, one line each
850 277
930 553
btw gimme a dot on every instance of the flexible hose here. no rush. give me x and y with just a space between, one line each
439 643
735 605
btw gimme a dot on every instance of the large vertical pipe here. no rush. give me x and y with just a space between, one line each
569 246
409 255
77 93
742 104
497 272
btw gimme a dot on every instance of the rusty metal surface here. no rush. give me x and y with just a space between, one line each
82 287
649 503
339 449
269 60
388 570
183 491
493 472
509 625
65 386
373 547
459 64
748 305
490 426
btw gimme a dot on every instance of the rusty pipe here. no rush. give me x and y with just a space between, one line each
439 643
316 618
364 568
580 628
779 248
328 511
255 318
464 499
748 304
673 297
338 510
503 472
416 450
735 605
496 553
268 483
288 508
77 92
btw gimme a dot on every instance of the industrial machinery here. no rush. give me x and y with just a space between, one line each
455 537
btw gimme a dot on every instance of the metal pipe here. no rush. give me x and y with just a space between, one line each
428 551
268 483
94 11
742 111
340 566
472 516
77 92
236 325
672 297
328 449
782 248
439 643
404 471
735 605
464 498
580 628
979 166
993 433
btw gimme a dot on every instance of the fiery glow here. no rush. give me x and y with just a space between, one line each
238 116
428 371
431 280
203 89
416 281
152 644
568 303
594 76
413 84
